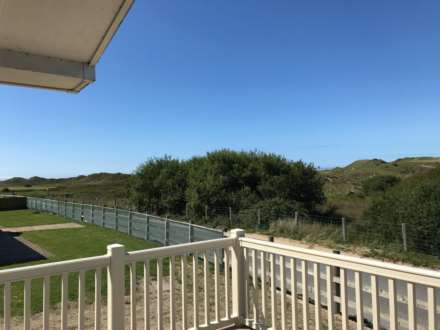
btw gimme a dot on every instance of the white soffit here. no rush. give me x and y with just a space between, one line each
56 43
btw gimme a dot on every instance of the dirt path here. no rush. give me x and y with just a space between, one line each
40 227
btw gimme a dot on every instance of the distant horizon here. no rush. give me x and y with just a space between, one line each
328 82
320 168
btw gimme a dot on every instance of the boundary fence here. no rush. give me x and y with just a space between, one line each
141 225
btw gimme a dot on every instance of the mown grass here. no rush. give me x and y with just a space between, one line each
21 218
66 244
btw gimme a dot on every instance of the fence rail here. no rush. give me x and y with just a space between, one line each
141 225
231 281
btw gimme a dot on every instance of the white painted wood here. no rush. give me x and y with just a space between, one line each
330 297
359 301
184 292
205 290
27 305
7 306
46 302
375 302
344 305
254 289
293 293
237 265
133 296
64 299
115 287
147 294
263 287
159 315
81 299
195 293
246 286
98 275
226 271
273 293
305 294
216 287
411 306
283 292
392 304
172 294
317 295
432 320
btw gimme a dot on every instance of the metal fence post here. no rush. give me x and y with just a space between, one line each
238 279
115 287
147 229
116 219
103 217
259 218
404 238
92 215
295 219
206 213
130 225
230 215
167 225
190 232
344 229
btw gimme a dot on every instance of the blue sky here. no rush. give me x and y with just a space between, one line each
328 82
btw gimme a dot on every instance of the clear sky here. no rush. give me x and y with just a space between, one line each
328 82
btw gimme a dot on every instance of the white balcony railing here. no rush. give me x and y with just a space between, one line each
224 282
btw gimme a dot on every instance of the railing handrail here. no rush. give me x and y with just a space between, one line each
399 272
177 250
53 268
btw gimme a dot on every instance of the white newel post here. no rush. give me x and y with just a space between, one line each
238 280
115 287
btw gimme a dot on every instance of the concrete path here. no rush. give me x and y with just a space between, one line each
40 227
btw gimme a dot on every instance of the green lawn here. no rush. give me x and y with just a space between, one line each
65 244
27 218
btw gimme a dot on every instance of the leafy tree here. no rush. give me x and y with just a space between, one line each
159 185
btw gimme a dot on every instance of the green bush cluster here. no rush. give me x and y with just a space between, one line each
379 184
415 202
223 179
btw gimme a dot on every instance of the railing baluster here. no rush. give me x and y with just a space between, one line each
305 294
343 286
159 294
263 286
226 269
273 293
411 306
283 291
359 301
205 288
195 292
392 304
216 288
64 299
7 306
27 304
293 293
330 298
246 284
432 321
172 294
46 302
133 296
375 302
81 299
184 299
317 297
254 288
147 294
98 275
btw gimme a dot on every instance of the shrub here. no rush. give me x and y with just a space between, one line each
379 184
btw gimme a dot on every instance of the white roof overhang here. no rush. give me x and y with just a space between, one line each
56 43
